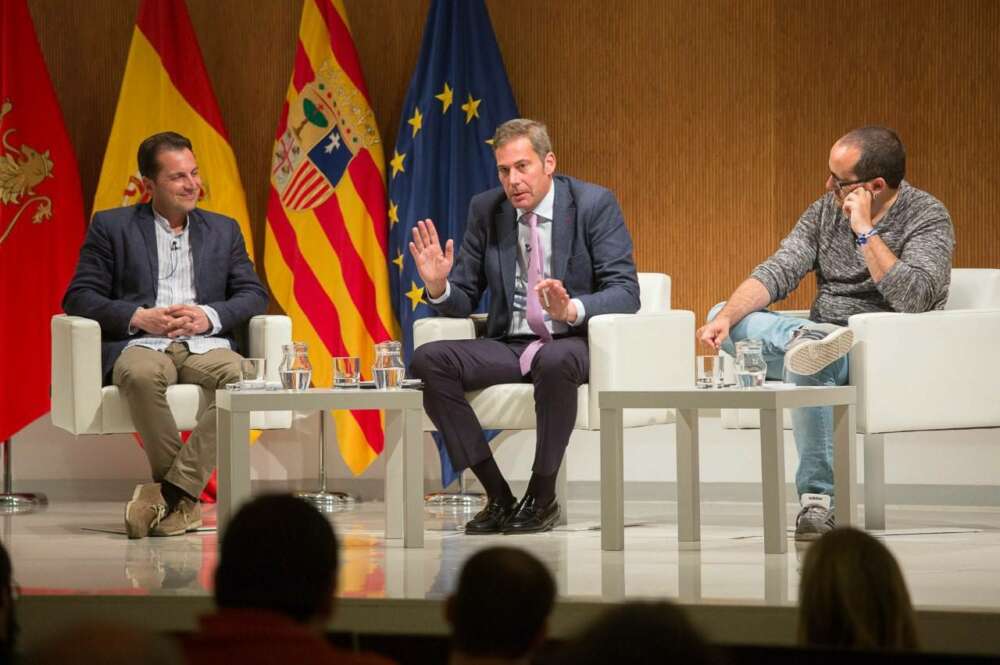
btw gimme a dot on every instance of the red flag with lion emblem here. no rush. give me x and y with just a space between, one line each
41 218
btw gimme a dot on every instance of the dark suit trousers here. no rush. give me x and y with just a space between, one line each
451 368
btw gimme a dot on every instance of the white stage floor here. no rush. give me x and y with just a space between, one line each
950 557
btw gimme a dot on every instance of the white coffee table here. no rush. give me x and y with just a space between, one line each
687 401
403 453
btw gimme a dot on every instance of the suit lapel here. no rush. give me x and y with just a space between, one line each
563 218
196 233
506 229
145 221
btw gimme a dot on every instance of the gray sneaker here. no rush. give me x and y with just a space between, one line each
816 345
815 518
145 510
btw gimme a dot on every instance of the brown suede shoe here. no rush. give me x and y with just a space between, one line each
145 510
185 517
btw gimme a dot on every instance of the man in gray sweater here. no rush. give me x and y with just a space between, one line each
877 244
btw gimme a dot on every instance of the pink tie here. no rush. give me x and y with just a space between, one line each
534 313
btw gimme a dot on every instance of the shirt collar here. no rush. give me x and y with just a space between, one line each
162 222
544 209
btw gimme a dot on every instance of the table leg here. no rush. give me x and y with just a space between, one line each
413 478
845 468
233 462
772 466
688 480
612 480
395 483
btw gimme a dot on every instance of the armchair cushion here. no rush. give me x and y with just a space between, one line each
81 405
935 370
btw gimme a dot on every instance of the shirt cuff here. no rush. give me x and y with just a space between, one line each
581 312
131 330
444 296
213 318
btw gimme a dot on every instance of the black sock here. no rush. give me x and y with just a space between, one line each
172 494
543 488
488 473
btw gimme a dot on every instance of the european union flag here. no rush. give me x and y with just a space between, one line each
458 96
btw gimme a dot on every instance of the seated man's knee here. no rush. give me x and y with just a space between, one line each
426 358
142 377
550 364
714 312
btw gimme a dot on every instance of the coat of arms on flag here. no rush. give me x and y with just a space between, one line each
325 130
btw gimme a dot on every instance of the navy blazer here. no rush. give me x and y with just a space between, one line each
591 255
118 272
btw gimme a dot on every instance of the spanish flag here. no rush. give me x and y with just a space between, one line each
325 242
166 88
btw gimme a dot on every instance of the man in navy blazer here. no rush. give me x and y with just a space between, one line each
553 252
169 284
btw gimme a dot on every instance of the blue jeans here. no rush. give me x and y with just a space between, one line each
812 426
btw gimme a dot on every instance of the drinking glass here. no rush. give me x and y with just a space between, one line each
709 371
252 374
751 368
346 371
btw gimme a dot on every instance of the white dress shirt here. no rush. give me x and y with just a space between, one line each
175 286
518 317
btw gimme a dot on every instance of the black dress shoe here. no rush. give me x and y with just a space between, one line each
493 518
531 517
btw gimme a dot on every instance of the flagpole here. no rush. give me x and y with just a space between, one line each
463 499
10 501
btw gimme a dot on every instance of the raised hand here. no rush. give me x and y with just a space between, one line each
556 301
433 265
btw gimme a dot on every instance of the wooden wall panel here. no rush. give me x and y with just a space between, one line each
712 121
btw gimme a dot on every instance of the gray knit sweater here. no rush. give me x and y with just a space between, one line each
917 229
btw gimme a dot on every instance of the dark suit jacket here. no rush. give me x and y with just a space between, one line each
118 271
591 254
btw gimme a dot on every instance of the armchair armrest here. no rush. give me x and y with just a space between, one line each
434 328
936 370
639 351
76 374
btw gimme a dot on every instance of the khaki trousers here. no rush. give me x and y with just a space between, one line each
143 376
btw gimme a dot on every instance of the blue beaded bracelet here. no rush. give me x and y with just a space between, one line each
862 239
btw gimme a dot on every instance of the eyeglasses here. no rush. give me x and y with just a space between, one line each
839 185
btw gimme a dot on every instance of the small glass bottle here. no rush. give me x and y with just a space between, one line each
388 369
751 368
295 370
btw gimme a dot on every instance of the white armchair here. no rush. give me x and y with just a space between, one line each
919 372
81 405
653 347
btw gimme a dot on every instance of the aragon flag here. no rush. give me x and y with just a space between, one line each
41 218
325 242
166 88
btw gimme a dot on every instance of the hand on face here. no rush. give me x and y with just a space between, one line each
433 265
858 206
556 301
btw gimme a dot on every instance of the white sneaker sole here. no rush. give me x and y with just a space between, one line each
813 356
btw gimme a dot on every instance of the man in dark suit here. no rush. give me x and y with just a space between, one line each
553 252
169 284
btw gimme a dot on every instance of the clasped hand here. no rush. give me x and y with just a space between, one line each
172 321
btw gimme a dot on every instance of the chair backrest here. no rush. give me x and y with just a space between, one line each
974 288
654 293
